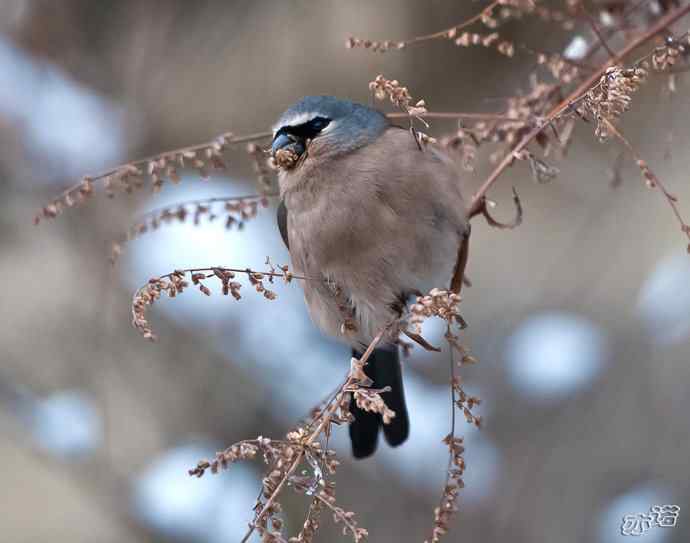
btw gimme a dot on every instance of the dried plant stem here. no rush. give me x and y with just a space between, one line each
595 28
651 178
450 33
230 138
204 201
157 167
238 270
452 418
613 31
175 283
326 418
574 96
455 116
274 495
338 513
468 22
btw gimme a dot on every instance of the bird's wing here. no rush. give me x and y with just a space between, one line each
461 263
282 218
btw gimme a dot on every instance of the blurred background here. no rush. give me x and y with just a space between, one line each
580 318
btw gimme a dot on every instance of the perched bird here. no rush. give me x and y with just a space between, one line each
378 218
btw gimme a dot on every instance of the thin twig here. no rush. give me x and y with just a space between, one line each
203 201
467 22
613 31
652 180
339 514
455 115
237 270
595 28
451 350
230 139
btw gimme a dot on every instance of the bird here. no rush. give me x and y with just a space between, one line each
377 218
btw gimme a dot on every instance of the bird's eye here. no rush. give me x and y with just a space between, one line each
316 125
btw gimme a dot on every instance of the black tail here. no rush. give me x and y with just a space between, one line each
384 369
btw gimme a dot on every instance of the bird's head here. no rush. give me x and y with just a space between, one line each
323 126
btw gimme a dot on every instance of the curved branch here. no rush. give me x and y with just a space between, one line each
517 221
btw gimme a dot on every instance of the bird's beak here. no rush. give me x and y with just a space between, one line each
288 142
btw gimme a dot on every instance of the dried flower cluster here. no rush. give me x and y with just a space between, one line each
176 282
448 505
666 56
326 498
522 116
463 401
466 39
371 400
244 450
233 211
438 303
612 97
376 46
399 95
153 171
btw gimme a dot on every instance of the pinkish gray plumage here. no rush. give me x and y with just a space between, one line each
370 214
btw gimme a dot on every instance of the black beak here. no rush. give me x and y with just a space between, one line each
291 142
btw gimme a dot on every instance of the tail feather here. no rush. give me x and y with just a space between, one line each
385 370
389 374
364 430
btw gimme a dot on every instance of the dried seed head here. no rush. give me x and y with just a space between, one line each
286 158
175 283
612 96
